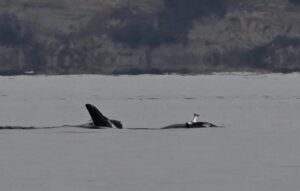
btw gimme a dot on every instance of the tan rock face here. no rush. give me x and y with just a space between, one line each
75 36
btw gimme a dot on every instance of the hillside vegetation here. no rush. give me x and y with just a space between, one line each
149 36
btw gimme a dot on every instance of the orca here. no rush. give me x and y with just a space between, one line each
191 125
99 121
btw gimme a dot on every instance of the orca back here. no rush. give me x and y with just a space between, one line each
98 118
117 123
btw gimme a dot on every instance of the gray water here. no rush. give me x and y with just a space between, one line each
257 150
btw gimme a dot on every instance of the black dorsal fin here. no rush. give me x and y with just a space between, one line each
98 118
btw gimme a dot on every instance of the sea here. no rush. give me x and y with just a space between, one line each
257 150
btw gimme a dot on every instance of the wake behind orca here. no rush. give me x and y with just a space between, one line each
99 121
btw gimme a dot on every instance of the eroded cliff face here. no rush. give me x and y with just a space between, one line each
148 36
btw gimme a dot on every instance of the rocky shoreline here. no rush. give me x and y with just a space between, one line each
156 37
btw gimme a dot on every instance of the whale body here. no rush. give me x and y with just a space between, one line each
99 121
191 126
